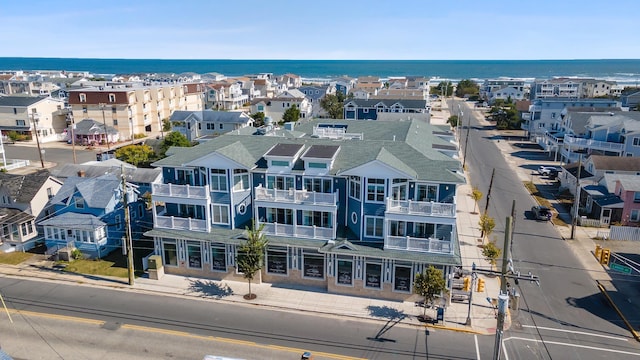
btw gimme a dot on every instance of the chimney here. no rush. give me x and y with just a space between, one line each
81 173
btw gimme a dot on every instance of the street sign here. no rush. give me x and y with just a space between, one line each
620 268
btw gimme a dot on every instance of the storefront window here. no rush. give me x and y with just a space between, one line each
345 272
313 266
402 279
170 254
373 275
194 253
218 258
277 261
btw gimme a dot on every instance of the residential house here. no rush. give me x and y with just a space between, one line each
368 84
24 200
352 207
490 87
89 215
507 94
630 99
628 190
315 94
545 115
566 88
593 88
275 107
24 114
344 84
404 93
291 81
418 82
135 108
226 95
594 169
386 109
92 132
196 125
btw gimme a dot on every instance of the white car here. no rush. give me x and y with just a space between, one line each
548 170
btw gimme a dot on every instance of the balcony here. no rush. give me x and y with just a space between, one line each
293 196
179 223
300 231
180 191
579 143
421 208
418 244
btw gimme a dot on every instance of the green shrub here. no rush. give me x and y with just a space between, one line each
76 254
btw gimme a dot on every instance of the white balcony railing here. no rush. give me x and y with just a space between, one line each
301 231
427 208
575 142
182 191
180 223
418 244
295 196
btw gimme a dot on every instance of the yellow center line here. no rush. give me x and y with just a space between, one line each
57 317
185 334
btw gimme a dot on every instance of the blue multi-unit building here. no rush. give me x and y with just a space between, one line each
386 109
348 206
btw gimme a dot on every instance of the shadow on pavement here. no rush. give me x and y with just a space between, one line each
86 276
386 312
209 288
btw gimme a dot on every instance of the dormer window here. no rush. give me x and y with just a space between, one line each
112 98
83 98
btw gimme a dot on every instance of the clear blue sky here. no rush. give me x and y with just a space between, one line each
323 29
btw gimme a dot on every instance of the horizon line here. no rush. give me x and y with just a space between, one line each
285 59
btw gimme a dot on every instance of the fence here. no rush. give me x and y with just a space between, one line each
621 233
591 222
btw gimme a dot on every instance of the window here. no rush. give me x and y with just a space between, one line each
218 257
636 197
280 216
218 180
373 275
402 278
375 190
170 253
114 110
240 179
316 218
194 254
374 226
312 265
399 189
423 230
112 98
280 182
220 214
279 163
636 141
277 260
49 192
397 228
316 165
221 126
20 123
79 202
115 122
84 109
354 187
118 222
426 192
83 98
635 215
345 272
317 185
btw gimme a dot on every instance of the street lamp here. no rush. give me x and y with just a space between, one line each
35 118
104 122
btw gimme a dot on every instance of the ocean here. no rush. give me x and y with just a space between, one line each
622 71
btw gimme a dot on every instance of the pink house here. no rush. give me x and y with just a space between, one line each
628 189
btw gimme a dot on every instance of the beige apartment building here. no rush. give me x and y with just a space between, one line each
134 108
23 114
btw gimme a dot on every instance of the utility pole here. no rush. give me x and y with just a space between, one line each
486 206
513 225
503 297
576 201
35 119
73 137
466 142
104 122
127 227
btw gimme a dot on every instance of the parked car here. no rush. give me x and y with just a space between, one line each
548 170
541 213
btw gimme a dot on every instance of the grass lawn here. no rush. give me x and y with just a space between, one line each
14 258
114 264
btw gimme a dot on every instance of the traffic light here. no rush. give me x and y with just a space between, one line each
466 285
604 257
598 252
480 285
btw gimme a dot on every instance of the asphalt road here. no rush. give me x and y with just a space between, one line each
52 153
122 310
566 317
